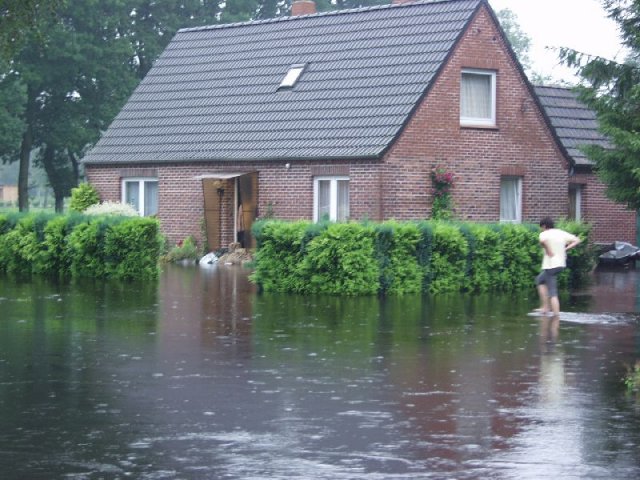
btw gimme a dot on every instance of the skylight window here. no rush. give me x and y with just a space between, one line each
292 76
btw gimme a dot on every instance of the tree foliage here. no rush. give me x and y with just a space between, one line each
612 90
20 18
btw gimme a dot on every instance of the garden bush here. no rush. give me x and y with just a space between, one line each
341 260
396 251
484 259
80 246
111 209
131 248
279 255
82 197
448 259
184 250
399 258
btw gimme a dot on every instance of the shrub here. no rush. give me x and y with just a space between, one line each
184 250
21 249
442 181
398 258
132 247
341 261
484 259
448 260
82 197
111 209
396 247
580 260
120 247
85 249
424 250
521 255
279 255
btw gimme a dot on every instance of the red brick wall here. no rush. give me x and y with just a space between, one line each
611 221
286 192
399 186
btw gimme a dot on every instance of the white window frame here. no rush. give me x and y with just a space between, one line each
293 75
479 121
333 192
518 200
141 181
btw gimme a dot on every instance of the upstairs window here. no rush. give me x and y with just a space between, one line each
141 194
292 76
478 98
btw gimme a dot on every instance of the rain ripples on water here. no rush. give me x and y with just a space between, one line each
201 377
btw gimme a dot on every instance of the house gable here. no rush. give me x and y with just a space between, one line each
520 144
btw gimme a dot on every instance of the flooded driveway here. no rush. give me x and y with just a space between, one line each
200 377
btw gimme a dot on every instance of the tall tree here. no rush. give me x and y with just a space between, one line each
612 90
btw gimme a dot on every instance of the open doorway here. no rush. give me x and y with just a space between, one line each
247 208
230 208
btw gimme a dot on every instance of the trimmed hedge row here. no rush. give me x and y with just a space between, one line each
410 257
79 246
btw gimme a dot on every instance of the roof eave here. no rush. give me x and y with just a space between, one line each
243 160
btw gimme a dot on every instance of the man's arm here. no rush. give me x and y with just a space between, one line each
575 241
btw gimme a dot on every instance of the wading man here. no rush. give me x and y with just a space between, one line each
555 243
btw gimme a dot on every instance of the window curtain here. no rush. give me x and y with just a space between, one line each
510 191
324 199
132 194
343 200
150 198
475 96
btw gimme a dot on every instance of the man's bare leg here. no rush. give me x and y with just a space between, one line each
544 298
555 305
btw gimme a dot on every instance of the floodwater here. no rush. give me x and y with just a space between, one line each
201 377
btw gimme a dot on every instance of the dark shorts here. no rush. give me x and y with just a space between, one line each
548 277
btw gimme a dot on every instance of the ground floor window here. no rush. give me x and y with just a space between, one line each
575 202
141 194
331 198
511 199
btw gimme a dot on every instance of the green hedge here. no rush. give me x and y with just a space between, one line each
399 258
79 246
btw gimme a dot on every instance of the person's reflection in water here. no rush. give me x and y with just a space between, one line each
549 332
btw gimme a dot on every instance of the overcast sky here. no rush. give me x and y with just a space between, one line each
578 24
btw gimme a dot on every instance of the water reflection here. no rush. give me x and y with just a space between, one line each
201 377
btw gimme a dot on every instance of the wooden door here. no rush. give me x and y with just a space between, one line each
212 212
248 198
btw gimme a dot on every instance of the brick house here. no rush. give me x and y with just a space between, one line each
342 114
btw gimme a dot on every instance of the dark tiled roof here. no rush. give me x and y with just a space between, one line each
575 123
213 93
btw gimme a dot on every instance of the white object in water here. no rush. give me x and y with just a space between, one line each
209 259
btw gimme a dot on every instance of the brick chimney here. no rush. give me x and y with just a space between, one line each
302 7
